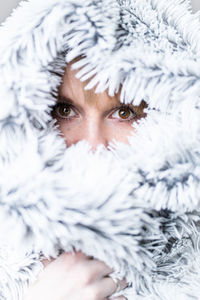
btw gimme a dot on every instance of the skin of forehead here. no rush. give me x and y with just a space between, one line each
71 86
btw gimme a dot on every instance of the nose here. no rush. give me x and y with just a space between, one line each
93 128
95 133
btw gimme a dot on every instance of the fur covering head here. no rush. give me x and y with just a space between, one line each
136 206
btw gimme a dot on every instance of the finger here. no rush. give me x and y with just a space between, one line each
69 259
107 287
98 269
79 254
119 298
123 284
46 262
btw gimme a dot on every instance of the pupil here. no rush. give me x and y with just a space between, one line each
65 110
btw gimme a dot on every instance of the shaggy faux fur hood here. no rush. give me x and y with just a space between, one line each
135 207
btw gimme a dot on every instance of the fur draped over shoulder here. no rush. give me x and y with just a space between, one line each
136 207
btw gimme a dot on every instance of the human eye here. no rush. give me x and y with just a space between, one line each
125 113
63 111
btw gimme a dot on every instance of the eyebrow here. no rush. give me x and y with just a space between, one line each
65 99
62 98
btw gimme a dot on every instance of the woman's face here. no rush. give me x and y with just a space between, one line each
96 118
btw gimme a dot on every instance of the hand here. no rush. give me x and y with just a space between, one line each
74 277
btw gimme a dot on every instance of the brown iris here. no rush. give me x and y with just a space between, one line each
124 113
63 110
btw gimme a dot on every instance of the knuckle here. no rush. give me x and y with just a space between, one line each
103 266
93 293
88 278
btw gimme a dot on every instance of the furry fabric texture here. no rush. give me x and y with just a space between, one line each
136 206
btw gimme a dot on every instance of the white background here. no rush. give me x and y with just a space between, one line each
6 7
196 4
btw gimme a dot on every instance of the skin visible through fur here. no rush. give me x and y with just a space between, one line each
97 118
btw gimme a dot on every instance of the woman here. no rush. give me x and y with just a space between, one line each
98 119
99 135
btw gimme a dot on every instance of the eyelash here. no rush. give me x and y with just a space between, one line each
114 110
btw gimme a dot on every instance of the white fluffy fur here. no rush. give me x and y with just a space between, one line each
135 207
